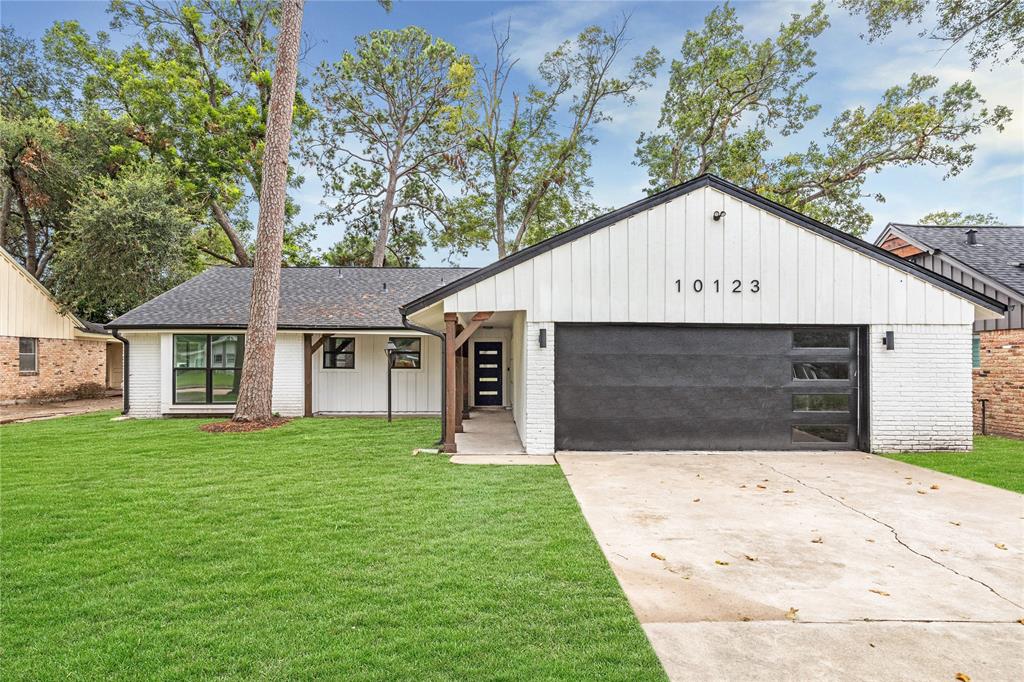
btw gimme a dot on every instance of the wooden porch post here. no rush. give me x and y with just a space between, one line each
451 405
307 374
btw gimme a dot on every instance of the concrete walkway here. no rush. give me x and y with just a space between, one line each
33 411
489 431
810 566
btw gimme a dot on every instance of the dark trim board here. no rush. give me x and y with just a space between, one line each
725 187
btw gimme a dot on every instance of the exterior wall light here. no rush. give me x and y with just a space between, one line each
717 215
889 341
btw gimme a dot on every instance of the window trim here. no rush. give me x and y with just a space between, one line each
208 369
34 354
976 351
324 352
419 353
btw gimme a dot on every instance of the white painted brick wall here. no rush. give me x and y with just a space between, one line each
921 391
288 376
144 379
540 390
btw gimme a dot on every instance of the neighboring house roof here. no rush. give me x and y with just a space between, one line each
311 298
999 253
725 187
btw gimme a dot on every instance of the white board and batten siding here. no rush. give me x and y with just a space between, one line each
364 389
673 263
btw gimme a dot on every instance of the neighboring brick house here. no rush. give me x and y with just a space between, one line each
989 260
45 353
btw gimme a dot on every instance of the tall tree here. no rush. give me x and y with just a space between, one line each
525 171
991 30
729 97
356 248
196 90
959 218
256 388
390 114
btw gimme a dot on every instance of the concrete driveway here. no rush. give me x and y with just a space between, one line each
749 566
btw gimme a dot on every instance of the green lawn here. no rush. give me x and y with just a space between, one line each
322 549
996 461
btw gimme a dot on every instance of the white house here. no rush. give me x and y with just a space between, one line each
703 317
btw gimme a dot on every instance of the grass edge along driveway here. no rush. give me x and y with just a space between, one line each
148 549
996 461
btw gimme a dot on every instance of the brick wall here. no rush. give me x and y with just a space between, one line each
920 392
540 390
67 367
1000 379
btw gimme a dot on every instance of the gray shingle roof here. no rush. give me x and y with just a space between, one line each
996 255
311 298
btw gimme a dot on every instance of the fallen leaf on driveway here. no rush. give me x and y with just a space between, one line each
935 486
762 487
788 491
745 619
922 492
962 677
744 485
817 541
882 593
791 614
1021 621
696 499
955 523
750 558
1000 545
655 555
721 563
869 540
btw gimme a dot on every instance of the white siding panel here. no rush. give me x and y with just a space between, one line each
714 245
732 261
750 266
289 378
144 379
788 276
542 287
842 291
806 271
523 275
618 280
768 278
599 276
824 282
693 262
657 285
637 254
580 266
505 290
675 258
561 282
486 299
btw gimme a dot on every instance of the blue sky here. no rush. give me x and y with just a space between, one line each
851 72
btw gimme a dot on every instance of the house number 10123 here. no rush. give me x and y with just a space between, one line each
735 286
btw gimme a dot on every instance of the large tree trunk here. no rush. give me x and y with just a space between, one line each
380 247
221 216
256 390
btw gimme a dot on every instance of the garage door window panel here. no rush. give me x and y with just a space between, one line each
821 402
821 433
821 371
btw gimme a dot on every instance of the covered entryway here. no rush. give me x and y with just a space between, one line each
672 387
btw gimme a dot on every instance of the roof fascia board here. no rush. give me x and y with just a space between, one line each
242 327
859 245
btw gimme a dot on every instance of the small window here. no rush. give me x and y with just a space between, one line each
976 351
340 352
820 433
821 402
28 355
407 352
207 368
821 371
821 338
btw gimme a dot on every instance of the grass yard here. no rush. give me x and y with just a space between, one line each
321 549
996 461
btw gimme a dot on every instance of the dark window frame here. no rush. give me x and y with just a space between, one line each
34 354
329 351
976 351
418 352
208 368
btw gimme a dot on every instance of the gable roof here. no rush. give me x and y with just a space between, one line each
311 298
671 193
999 253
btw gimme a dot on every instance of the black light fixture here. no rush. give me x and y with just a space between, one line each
889 341
717 215
390 348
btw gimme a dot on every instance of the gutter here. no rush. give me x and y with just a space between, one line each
124 368
444 370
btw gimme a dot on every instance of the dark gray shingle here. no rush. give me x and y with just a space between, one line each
310 298
996 255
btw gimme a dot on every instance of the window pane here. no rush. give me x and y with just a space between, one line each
821 338
27 355
821 402
407 360
190 350
225 385
820 433
190 385
226 350
27 345
341 343
408 344
821 371
340 360
976 351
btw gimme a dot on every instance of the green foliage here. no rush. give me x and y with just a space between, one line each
25 84
525 172
959 218
127 240
990 30
729 98
391 114
404 248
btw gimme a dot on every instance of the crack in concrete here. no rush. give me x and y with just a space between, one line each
895 535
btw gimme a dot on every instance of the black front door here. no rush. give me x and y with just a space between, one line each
487 372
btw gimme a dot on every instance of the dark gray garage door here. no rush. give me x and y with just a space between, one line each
647 387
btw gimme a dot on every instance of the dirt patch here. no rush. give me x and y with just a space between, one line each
229 426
